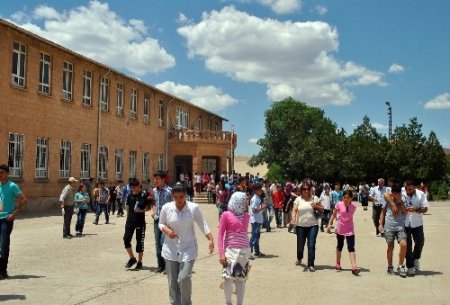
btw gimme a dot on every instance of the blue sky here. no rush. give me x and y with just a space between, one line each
235 57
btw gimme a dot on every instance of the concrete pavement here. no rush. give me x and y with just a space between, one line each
47 269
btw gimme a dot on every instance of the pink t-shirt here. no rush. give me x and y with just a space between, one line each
232 232
345 219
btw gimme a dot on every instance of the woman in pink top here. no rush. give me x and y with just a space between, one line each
233 244
345 229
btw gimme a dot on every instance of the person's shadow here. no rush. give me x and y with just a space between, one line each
12 297
428 273
25 277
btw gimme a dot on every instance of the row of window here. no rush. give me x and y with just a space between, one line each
18 78
16 158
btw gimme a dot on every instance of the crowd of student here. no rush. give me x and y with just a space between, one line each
303 208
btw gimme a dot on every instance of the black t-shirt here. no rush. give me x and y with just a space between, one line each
137 204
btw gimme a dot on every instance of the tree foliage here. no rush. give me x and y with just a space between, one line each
302 142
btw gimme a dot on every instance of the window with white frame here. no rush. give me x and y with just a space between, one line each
87 88
103 162
199 124
119 163
104 94
44 74
15 154
161 114
216 127
120 100
182 115
67 81
210 125
85 172
41 158
65 159
133 104
133 156
145 165
18 64
146 110
161 163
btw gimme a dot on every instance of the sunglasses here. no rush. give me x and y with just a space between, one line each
305 189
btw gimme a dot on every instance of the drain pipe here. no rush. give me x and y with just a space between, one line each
99 124
166 152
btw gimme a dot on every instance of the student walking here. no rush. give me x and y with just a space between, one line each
137 204
416 205
180 249
103 199
234 251
256 218
82 200
393 218
304 216
162 194
9 192
67 203
344 212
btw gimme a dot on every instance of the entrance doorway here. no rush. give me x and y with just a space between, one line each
183 164
211 164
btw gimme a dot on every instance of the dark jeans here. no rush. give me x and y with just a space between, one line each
101 207
159 241
119 207
279 216
307 234
81 220
325 218
417 235
254 239
6 228
376 213
68 213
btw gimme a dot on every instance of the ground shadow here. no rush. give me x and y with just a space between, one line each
25 277
87 235
266 256
428 273
11 297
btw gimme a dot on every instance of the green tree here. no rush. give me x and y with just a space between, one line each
300 139
366 153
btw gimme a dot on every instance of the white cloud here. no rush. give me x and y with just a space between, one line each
253 140
321 9
291 58
396 68
441 101
208 97
282 6
99 33
183 19
379 125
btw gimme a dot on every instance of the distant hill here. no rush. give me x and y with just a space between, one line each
241 166
447 151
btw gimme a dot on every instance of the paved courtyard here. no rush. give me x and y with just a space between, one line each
46 269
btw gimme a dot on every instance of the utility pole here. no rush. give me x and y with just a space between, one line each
390 119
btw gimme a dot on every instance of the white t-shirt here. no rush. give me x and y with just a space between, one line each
305 215
418 200
326 201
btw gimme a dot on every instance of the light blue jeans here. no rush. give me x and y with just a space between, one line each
179 276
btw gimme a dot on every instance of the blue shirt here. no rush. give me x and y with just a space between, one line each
336 196
81 200
8 193
162 196
378 193
255 203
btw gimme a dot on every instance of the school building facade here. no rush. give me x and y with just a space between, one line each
63 114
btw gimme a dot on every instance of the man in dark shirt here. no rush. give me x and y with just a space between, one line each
138 202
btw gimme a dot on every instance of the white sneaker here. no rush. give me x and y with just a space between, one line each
417 264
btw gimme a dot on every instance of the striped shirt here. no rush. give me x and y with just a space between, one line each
232 232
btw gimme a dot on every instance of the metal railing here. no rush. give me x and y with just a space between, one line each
190 135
